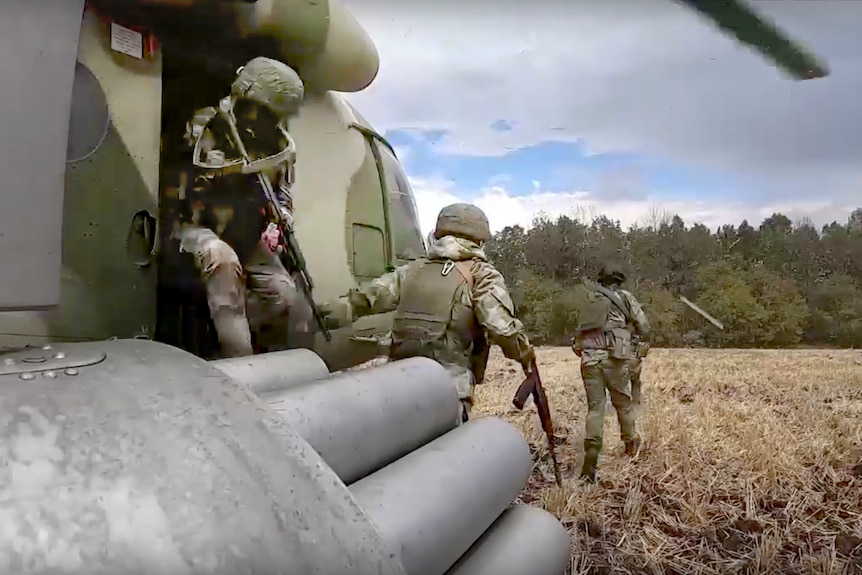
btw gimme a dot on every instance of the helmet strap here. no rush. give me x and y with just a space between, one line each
286 157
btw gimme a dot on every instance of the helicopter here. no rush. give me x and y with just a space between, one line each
129 82
99 258
126 447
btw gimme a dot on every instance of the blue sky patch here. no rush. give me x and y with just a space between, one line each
560 167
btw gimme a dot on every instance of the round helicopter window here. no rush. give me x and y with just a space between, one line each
89 119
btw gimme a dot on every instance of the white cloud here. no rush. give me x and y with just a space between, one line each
504 209
403 153
637 75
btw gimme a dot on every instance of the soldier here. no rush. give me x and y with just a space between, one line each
604 343
231 234
447 302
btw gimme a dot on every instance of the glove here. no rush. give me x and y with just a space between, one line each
359 303
271 237
339 311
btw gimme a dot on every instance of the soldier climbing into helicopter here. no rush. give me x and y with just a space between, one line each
229 228
451 305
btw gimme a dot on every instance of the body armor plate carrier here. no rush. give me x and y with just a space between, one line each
424 318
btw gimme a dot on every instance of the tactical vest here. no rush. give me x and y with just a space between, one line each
423 324
240 198
232 197
596 331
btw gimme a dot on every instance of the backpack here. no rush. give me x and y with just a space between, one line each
593 331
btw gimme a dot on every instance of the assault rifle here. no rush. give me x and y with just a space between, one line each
290 254
532 385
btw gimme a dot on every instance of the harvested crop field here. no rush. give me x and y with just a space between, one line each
752 463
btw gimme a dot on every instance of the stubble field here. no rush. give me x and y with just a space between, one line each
751 464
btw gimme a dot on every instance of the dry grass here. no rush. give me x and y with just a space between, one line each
752 463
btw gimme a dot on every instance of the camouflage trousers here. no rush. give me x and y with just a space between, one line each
607 375
635 367
242 300
464 384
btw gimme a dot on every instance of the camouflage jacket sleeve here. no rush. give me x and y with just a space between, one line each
382 294
496 313
639 319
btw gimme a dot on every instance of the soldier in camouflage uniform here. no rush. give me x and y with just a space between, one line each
604 343
230 233
447 303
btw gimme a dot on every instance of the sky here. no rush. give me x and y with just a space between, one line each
629 108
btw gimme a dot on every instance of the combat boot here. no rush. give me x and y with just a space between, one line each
588 469
591 461
633 446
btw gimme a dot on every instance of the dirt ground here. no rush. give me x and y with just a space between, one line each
752 463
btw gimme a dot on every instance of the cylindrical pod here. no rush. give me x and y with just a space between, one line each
362 420
523 541
274 371
133 456
433 504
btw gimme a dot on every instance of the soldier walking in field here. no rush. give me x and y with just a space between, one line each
603 341
451 305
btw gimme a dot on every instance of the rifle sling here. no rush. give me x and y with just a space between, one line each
463 268
611 295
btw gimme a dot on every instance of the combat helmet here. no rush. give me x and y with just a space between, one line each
271 84
274 86
464 221
611 271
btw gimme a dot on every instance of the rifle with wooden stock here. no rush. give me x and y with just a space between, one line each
532 385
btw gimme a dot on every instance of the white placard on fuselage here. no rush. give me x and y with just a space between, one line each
127 41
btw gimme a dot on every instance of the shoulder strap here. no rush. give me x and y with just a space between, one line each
464 268
615 299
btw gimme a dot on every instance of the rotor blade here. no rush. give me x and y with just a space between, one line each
738 18
708 317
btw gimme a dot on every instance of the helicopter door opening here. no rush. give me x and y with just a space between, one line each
38 50
183 318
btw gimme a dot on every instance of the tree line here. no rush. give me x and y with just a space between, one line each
778 285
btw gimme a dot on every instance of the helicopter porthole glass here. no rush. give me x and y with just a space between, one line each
89 119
